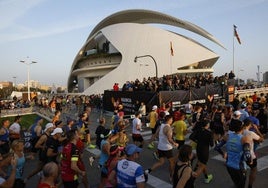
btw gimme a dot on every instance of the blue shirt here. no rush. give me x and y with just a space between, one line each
5 137
234 149
103 156
19 168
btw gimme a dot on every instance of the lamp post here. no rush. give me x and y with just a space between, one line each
28 63
14 85
156 70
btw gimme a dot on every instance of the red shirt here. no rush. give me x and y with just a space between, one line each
116 87
70 153
45 185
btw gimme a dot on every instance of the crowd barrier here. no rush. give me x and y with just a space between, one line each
16 111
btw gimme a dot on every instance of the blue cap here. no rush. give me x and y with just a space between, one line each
131 149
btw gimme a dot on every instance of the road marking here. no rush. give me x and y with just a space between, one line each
156 182
262 163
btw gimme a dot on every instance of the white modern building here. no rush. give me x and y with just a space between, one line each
110 51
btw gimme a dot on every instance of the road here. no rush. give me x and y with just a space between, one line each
159 178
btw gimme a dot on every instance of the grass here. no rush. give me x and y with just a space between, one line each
26 120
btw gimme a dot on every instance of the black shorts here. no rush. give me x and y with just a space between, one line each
70 184
254 163
154 130
180 142
202 154
137 138
4 148
33 142
166 154
218 129
238 176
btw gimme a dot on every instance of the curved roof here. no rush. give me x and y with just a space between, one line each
148 16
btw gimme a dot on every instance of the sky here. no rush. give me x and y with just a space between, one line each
51 32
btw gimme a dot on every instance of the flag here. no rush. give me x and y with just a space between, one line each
236 35
171 49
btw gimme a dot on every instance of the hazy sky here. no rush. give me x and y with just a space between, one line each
52 31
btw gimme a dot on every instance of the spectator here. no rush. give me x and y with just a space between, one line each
231 75
116 87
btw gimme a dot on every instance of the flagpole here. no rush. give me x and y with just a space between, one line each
233 52
170 60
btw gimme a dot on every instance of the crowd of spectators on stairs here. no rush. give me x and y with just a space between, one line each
174 82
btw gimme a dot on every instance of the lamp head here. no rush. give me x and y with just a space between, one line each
135 59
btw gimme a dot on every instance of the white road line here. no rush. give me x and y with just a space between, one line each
262 163
156 182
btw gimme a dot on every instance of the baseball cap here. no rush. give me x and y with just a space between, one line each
132 148
237 113
154 107
56 131
48 125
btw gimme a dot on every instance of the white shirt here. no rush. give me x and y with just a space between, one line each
253 136
15 127
136 122
142 110
163 143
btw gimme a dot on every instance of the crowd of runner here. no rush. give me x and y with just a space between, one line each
59 145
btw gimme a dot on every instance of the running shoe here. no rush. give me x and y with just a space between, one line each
151 145
155 155
208 180
146 172
91 146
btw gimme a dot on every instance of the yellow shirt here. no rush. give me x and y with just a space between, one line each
180 128
153 118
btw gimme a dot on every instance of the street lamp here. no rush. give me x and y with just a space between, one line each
28 63
156 70
14 77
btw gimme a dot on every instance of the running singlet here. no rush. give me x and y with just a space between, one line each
177 176
234 150
163 143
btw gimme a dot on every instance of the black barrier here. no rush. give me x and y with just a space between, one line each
111 99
